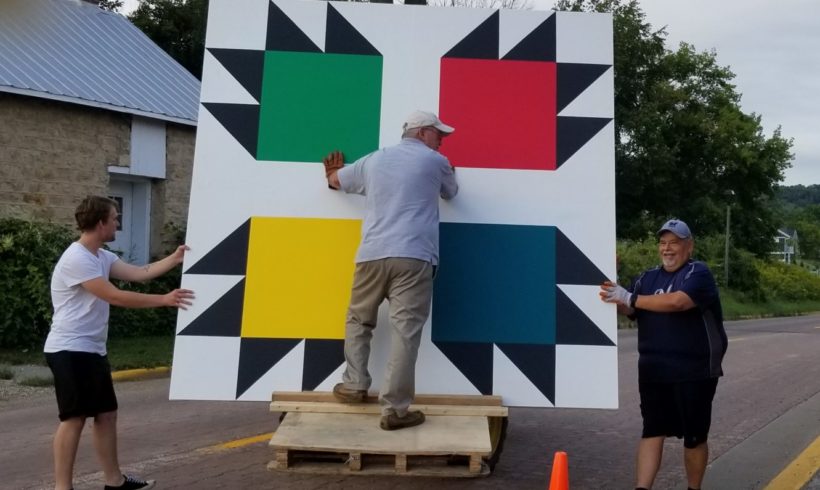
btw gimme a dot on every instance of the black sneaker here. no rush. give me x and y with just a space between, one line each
132 483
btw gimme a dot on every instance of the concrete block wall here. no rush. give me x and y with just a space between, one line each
175 191
53 154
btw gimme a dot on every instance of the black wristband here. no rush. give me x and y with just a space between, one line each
632 300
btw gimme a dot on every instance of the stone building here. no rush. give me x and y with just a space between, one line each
90 105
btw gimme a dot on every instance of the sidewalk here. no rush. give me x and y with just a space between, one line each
30 379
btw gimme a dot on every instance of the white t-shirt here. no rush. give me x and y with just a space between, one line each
80 321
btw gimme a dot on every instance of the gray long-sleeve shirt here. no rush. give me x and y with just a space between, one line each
401 185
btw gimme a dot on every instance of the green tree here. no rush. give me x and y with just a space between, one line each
112 5
177 26
683 146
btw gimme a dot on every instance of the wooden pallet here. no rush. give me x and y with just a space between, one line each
319 435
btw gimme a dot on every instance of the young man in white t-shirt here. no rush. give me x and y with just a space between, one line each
75 347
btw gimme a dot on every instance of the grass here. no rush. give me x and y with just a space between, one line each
37 381
123 353
734 309
155 351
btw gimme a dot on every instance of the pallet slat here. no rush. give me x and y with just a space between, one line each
324 396
371 408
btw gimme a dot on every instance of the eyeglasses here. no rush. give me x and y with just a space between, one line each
439 133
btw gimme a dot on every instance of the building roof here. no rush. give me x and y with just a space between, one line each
73 51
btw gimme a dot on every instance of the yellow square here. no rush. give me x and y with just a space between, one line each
299 275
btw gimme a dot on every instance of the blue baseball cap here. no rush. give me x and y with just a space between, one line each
678 227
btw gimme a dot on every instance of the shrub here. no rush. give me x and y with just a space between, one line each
788 282
130 322
28 252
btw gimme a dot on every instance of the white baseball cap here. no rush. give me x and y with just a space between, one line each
423 119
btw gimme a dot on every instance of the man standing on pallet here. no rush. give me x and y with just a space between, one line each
396 259
75 348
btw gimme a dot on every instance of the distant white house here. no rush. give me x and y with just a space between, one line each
786 249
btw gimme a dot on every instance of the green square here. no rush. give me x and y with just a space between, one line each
313 103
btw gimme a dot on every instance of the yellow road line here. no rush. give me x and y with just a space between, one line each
135 374
240 442
738 339
799 471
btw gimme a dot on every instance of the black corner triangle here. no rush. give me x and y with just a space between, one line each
536 362
322 357
572 266
539 45
228 257
574 78
342 38
285 35
256 357
245 65
474 360
221 319
575 132
573 326
482 43
241 120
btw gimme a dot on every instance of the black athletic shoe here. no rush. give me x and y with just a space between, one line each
132 483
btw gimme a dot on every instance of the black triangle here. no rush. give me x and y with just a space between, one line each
322 357
575 132
221 319
342 38
574 78
228 257
285 35
245 65
539 45
256 357
573 326
537 362
241 120
572 266
482 43
474 360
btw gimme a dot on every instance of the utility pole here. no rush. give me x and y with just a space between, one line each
726 251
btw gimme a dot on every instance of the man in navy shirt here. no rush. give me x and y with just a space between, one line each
681 342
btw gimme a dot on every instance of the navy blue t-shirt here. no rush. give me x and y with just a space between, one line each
685 345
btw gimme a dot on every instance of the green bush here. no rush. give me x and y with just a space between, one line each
138 322
28 252
788 282
634 257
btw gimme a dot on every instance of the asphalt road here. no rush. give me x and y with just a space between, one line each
767 410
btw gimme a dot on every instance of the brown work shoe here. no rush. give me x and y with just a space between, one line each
347 395
393 421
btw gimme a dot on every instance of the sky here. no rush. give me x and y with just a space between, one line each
773 48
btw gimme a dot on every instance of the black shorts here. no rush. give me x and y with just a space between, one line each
682 410
82 383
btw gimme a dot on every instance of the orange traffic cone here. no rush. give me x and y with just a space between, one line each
560 472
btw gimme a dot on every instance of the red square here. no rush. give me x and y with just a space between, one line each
504 112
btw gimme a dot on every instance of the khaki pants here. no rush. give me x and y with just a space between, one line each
407 284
